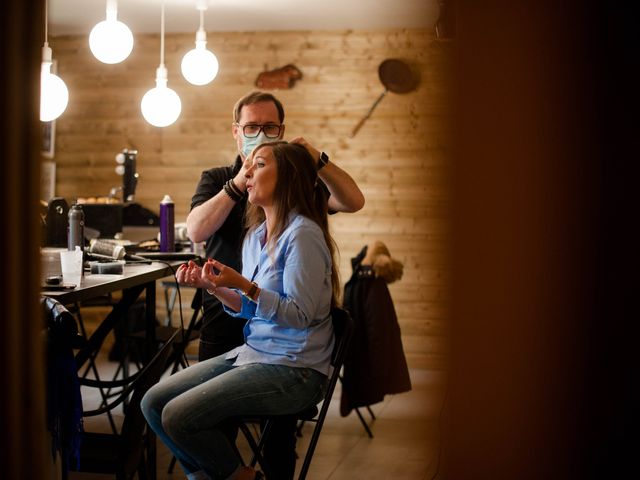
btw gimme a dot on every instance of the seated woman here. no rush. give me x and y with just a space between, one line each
289 283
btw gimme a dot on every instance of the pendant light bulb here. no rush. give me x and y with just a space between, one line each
54 94
200 66
161 106
111 41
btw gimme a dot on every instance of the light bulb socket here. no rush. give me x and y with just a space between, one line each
47 55
161 77
112 9
201 36
161 73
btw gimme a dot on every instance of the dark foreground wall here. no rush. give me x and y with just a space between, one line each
545 249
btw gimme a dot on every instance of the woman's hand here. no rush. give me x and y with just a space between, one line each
220 275
222 278
190 274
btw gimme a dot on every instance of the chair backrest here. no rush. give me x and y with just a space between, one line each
343 329
64 400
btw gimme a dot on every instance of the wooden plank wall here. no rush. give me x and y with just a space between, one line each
399 158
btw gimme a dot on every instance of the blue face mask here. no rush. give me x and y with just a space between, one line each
248 144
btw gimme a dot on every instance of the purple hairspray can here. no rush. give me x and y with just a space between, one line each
167 232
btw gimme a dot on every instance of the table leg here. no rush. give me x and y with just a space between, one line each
150 350
94 342
150 321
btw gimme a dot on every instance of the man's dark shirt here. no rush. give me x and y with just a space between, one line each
220 329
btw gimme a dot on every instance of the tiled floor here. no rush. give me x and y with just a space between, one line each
405 444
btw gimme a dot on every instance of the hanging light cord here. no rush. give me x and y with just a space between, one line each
46 23
201 19
162 36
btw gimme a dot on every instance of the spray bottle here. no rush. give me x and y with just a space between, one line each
167 229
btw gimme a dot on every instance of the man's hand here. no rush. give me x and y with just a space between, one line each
345 196
240 179
315 153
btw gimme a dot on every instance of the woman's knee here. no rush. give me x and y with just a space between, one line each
175 420
181 420
150 405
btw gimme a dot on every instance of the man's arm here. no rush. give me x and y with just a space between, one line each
205 219
345 194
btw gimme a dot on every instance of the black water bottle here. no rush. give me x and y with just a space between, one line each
75 234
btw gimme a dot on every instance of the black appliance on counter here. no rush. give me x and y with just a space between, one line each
101 220
55 221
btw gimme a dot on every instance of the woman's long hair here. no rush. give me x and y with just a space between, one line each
297 188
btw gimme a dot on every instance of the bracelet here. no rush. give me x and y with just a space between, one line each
231 193
212 292
252 291
235 188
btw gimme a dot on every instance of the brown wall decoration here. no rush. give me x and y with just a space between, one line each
279 78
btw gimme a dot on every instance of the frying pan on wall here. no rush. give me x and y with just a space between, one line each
397 77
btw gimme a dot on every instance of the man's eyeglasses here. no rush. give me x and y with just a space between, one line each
251 130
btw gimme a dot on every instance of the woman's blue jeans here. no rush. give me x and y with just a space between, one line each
186 409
